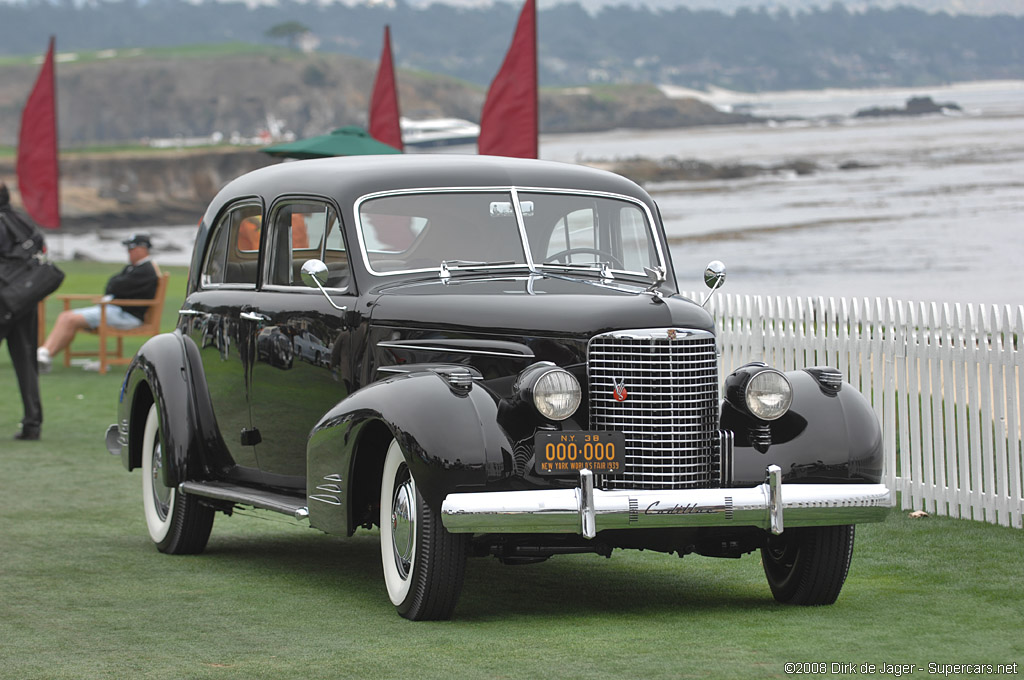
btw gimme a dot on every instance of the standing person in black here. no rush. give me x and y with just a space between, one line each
21 333
136 281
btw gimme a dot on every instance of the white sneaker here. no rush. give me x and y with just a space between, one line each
44 360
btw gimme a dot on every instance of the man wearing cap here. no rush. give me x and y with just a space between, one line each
137 281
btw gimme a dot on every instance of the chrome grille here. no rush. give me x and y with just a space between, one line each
670 413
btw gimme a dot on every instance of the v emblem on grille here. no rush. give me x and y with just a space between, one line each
620 393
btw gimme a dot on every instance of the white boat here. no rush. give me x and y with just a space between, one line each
438 132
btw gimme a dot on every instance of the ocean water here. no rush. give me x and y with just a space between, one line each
929 208
933 209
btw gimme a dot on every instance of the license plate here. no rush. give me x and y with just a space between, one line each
568 452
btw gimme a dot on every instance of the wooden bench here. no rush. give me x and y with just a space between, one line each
150 324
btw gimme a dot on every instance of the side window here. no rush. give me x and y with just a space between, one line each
234 250
302 231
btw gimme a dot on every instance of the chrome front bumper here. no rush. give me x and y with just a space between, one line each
584 510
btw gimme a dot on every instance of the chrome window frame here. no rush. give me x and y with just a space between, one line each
513 191
275 208
237 204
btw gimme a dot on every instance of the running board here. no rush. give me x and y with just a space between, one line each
244 495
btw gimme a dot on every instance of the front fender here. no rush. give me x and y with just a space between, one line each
162 372
825 437
450 438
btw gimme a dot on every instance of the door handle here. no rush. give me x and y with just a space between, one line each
254 316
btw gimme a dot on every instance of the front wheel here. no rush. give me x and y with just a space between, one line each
808 566
424 564
177 522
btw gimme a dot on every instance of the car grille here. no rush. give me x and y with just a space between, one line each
670 412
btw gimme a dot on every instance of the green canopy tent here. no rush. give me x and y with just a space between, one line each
345 141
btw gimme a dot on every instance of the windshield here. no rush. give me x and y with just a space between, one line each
568 232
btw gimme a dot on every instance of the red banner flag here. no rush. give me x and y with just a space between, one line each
385 125
509 122
38 173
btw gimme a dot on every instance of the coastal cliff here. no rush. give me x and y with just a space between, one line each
142 189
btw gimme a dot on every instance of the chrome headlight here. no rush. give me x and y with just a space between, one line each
769 395
763 392
554 392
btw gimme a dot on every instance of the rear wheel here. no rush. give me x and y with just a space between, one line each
177 522
423 563
808 566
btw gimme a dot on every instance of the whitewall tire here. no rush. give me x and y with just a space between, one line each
177 522
423 564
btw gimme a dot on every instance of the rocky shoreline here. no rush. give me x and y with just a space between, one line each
126 191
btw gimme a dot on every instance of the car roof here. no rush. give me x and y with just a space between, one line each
348 178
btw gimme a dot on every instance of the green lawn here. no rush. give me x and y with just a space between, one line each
83 594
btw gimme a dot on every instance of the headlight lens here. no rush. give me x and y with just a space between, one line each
769 395
556 394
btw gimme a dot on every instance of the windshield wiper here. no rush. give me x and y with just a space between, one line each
602 268
444 271
475 263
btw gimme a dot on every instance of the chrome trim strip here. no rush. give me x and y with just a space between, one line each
561 511
450 350
726 449
521 224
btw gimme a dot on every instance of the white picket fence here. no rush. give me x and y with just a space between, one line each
944 381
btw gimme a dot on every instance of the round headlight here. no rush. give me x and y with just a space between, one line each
556 394
768 395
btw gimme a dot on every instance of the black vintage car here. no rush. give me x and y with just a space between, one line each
508 369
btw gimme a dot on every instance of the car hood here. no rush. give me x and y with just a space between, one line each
535 305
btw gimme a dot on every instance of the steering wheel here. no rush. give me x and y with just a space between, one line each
573 251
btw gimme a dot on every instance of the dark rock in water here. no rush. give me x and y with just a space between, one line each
915 106
673 169
855 165
800 167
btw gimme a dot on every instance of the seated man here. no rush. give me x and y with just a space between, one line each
137 281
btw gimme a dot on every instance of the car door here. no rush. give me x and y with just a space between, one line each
298 373
217 318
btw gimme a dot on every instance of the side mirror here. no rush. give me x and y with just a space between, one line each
714 274
714 278
314 274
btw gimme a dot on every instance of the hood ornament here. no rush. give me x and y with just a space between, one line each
657 276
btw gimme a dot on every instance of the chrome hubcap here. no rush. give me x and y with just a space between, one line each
403 526
161 493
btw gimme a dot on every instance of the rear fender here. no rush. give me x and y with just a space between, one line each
450 437
164 371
